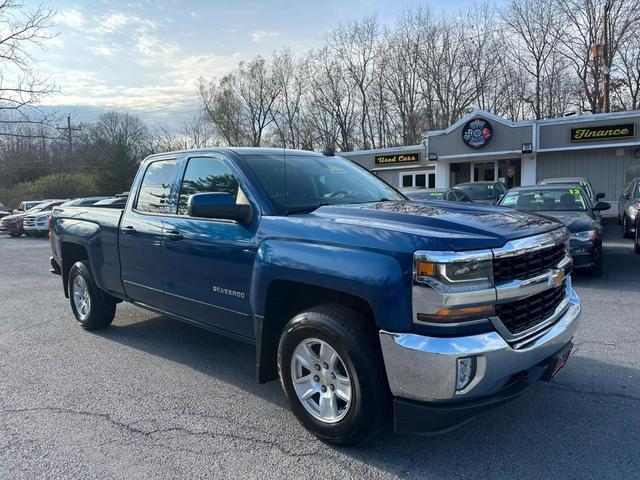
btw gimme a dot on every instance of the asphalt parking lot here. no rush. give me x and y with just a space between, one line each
152 397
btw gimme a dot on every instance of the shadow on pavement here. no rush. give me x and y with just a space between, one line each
580 425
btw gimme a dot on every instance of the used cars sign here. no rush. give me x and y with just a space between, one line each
606 132
397 158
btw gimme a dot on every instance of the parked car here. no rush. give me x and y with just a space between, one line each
81 202
449 194
483 192
582 182
569 205
26 205
3 211
355 298
13 224
36 224
114 202
629 204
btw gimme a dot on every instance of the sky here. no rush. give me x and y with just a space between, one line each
146 56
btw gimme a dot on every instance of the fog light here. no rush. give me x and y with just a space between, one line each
466 372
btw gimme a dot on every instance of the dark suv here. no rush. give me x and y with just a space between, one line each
483 192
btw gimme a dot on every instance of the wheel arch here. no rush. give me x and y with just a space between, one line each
285 299
71 253
291 276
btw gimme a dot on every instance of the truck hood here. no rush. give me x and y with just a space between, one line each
459 225
574 221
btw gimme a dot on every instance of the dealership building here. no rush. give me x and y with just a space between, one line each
605 148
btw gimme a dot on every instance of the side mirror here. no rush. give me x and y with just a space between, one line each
626 196
599 195
16 211
219 205
601 206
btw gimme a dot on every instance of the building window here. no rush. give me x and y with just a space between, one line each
418 180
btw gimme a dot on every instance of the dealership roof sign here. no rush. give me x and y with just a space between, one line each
397 158
477 133
604 132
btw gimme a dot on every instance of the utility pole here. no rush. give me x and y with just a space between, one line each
605 55
69 129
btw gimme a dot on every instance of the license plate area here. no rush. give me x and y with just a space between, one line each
557 362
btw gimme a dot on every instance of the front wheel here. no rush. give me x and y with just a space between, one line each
92 308
636 240
332 373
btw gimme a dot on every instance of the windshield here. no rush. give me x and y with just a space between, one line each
306 182
556 200
482 191
3 208
425 195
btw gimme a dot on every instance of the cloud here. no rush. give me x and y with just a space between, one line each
113 22
258 36
71 18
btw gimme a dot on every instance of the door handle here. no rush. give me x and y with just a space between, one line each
128 230
174 236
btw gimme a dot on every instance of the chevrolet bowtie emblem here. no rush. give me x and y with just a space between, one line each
556 278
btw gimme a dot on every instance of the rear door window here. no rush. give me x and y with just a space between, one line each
156 187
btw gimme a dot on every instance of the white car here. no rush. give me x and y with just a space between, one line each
37 224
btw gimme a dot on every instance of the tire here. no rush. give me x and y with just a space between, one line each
625 226
636 240
359 359
15 234
100 309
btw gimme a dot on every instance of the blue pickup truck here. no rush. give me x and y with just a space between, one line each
371 309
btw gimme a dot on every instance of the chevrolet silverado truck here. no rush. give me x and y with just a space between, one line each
369 308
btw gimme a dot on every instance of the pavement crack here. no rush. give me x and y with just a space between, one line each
571 388
131 428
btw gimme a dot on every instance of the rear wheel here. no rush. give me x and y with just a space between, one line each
332 373
92 308
15 234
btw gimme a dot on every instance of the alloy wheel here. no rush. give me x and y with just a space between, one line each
81 298
321 380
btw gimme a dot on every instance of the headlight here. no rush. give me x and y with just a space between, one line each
454 272
583 236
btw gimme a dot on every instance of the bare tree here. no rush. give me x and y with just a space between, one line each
583 21
333 100
258 91
290 77
223 108
21 87
355 47
533 33
627 64
404 75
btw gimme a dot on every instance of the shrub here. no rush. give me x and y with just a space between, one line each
57 185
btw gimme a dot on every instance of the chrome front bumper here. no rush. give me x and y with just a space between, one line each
424 368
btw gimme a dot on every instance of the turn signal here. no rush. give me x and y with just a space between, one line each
457 314
426 269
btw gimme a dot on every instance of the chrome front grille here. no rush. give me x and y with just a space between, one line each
528 264
29 221
529 312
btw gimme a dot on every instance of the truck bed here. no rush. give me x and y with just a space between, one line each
96 226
